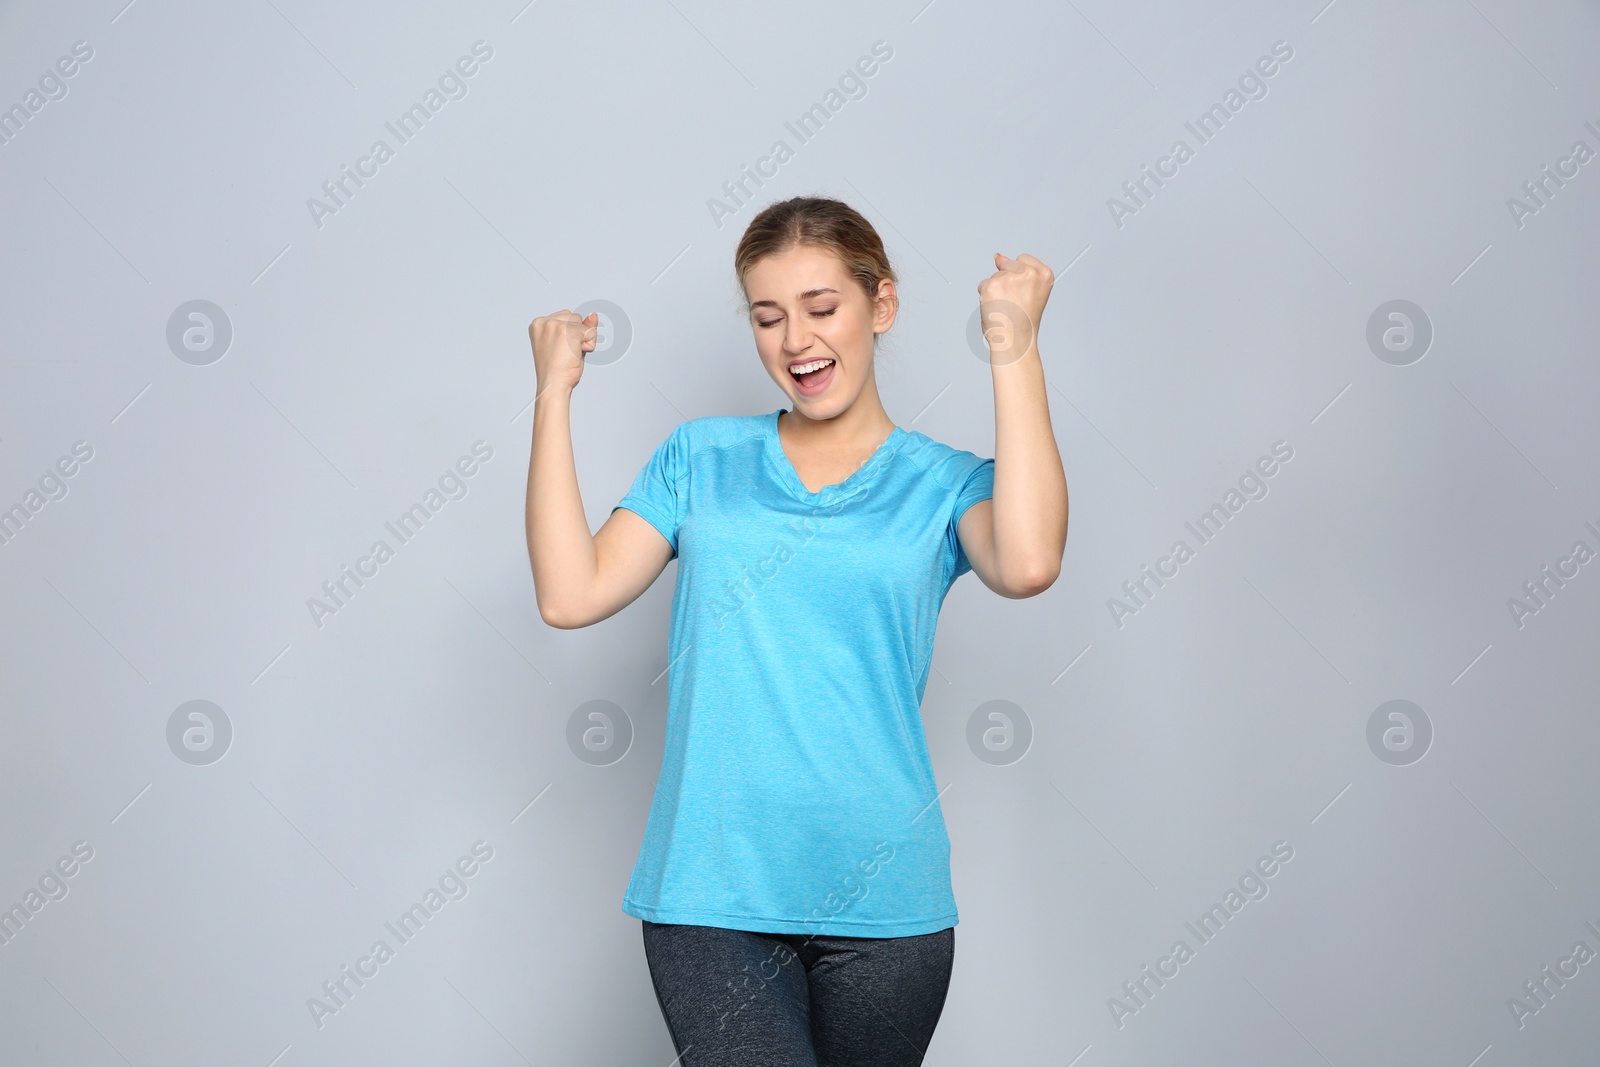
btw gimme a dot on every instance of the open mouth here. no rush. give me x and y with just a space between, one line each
813 376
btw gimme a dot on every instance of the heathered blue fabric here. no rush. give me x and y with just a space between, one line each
796 794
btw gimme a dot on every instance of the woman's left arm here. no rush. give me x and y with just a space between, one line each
1015 540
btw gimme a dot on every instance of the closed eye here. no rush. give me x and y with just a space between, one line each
818 314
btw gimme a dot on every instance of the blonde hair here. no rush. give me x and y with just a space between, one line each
822 223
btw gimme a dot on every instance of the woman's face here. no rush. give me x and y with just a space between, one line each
805 308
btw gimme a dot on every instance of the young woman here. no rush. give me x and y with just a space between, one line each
794 881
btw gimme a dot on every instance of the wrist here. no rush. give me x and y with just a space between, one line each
1010 357
548 393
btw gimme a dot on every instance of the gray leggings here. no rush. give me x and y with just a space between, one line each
734 997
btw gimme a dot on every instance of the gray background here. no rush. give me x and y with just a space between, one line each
431 711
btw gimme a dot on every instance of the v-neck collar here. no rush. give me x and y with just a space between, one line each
784 470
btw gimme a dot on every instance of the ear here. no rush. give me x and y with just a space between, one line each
885 307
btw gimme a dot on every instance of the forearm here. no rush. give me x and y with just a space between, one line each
561 548
1030 485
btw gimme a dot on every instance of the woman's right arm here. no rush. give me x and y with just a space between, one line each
578 578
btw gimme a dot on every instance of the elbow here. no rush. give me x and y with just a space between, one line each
1042 574
1036 581
559 617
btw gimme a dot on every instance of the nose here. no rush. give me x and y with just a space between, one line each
796 337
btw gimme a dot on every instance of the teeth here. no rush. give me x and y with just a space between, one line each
806 368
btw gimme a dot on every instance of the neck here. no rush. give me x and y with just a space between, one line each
861 424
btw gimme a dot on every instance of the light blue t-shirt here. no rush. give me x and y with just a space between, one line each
796 794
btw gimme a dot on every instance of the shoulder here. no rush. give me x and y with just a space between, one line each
693 438
949 466
724 430
716 431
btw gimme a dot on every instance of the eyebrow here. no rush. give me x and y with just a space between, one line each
807 295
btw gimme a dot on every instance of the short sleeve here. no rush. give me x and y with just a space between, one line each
660 491
979 485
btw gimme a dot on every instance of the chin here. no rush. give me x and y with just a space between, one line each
820 409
